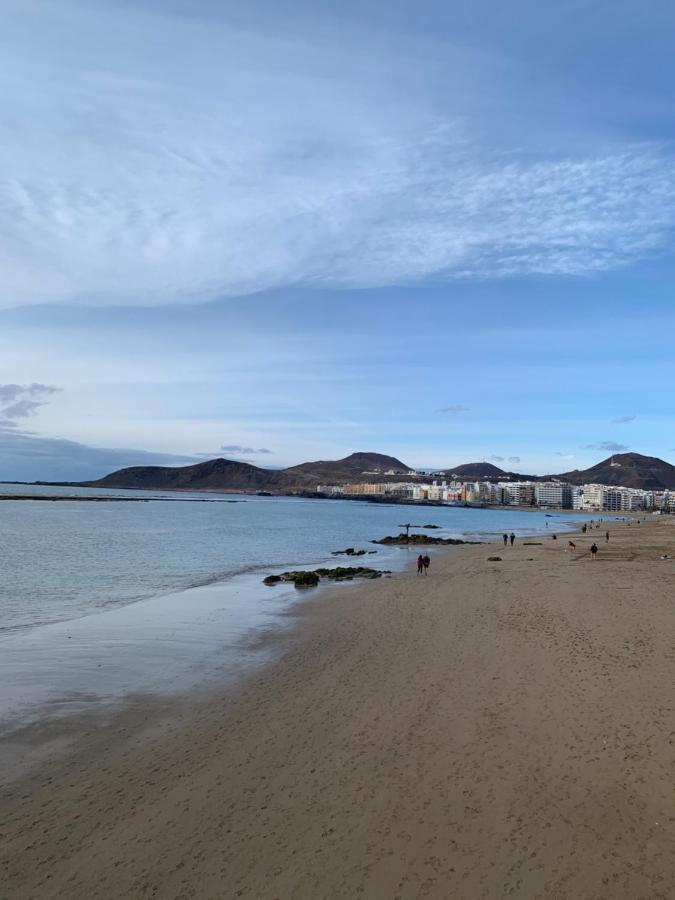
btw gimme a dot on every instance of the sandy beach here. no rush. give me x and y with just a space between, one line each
497 729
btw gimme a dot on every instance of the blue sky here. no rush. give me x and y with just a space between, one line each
286 231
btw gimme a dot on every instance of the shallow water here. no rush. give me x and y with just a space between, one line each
98 600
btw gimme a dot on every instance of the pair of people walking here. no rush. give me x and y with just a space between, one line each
508 538
423 564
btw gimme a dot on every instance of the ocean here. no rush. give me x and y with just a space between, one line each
102 600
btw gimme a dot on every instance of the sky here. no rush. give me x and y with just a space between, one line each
290 230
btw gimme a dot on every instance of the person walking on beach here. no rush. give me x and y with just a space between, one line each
512 538
594 551
420 564
506 539
426 561
607 537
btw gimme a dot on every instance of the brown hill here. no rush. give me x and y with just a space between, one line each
479 470
213 475
354 467
627 470
624 469
229 475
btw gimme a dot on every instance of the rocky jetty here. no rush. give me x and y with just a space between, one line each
309 578
420 539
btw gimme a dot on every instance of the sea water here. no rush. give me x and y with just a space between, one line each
102 599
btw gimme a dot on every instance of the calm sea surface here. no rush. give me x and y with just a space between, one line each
100 599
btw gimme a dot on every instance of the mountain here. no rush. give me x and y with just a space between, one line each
213 475
351 468
626 470
229 475
478 470
623 470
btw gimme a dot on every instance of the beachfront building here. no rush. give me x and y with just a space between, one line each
510 493
614 500
576 497
543 494
549 493
594 497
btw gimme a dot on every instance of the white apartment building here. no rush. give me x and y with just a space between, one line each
331 490
549 493
577 494
594 497
510 493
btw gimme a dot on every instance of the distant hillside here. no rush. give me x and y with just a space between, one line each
351 468
213 475
624 469
227 474
627 470
478 470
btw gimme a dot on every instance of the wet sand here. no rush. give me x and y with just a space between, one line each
498 729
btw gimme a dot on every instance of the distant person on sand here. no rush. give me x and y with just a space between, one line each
420 564
594 550
426 561
512 539
506 539
607 537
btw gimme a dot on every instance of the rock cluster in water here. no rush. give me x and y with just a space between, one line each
420 539
350 551
309 578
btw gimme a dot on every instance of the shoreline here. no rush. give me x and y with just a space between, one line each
299 495
460 735
86 662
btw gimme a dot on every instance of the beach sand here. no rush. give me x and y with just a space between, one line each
497 729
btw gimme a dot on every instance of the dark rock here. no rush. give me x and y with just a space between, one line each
339 573
350 551
272 579
494 559
342 572
420 539
305 579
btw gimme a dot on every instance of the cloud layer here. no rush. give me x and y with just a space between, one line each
608 447
238 448
211 161
29 457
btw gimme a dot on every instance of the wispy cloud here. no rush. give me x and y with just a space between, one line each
237 448
607 446
168 171
455 408
623 419
21 401
502 459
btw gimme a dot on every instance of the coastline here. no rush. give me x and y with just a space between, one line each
168 643
496 729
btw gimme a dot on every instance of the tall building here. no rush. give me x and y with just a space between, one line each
549 493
